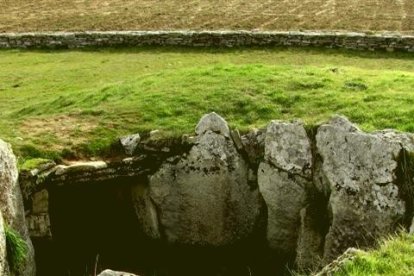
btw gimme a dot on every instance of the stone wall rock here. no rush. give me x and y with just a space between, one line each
360 41
11 203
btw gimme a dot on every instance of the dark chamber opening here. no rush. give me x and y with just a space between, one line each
94 227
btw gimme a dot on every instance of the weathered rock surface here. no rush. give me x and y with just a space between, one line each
253 145
130 143
283 178
146 211
109 272
203 198
11 203
212 123
38 220
287 147
360 171
3 252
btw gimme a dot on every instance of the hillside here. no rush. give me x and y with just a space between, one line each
78 102
81 15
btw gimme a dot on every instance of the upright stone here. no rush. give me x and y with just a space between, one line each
360 171
11 203
204 198
283 177
3 251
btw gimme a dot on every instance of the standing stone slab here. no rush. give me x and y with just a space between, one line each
3 251
204 198
146 211
360 171
11 203
283 178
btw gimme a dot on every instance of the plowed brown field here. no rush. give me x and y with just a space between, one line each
80 15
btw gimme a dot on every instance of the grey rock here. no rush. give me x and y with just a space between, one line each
411 230
11 203
38 220
130 143
39 225
254 144
146 211
40 202
42 167
213 122
80 167
109 272
360 171
283 178
3 252
285 196
235 135
203 198
311 239
288 148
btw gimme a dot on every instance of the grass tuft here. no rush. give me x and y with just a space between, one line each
16 249
394 256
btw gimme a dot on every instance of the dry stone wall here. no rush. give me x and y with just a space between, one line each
359 41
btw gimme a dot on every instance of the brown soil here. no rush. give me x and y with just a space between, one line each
81 15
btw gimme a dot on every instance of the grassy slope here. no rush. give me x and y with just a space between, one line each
365 15
395 256
83 100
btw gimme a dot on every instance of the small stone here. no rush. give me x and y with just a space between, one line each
214 123
154 133
109 272
80 167
130 143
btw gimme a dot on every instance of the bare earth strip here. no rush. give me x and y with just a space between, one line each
80 15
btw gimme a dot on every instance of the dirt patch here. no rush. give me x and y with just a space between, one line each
68 130
81 15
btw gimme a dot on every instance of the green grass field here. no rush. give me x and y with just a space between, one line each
78 102
394 256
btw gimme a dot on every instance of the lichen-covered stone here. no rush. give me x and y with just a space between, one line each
282 178
287 147
360 171
213 122
203 198
285 196
11 203
130 143
3 252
